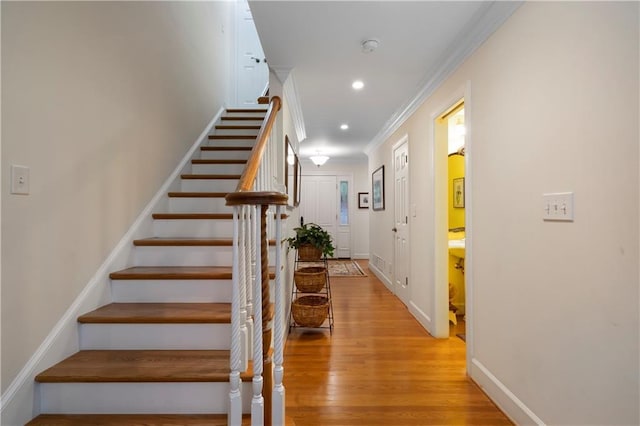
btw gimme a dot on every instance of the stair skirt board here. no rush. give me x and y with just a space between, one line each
196 228
225 155
188 256
198 205
155 336
209 185
177 291
140 398
235 169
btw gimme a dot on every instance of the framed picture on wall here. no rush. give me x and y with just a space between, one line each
363 200
377 188
458 193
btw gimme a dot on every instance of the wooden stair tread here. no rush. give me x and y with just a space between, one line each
208 176
226 148
252 137
164 242
173 273
137 366
262 110
170 242
159 313
209 216
133 420
238 126
181 194
217 161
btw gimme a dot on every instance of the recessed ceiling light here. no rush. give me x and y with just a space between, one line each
358 84
344 126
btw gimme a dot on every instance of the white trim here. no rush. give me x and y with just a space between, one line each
382 277
291 96
421 316
510 404
360 256
468 224
97 292
486 22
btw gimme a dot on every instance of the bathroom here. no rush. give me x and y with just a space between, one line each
456 219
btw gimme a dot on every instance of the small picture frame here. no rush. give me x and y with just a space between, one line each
458 193
363 200
377 188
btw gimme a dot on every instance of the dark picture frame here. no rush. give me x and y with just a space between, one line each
292 174
363 200
377 189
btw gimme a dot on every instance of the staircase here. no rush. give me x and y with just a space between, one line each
159 354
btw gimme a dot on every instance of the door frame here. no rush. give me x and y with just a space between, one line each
403 140
441 244
345 176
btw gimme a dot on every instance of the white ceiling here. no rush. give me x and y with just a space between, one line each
321 42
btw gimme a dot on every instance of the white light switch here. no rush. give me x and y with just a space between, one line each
558 206
19 180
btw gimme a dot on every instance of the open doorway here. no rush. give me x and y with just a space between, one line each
451 218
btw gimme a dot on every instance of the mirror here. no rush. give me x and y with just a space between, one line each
292 174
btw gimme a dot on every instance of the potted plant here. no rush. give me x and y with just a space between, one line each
312 242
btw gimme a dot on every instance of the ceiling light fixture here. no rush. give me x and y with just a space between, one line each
369 45
319 159
357 85
344 126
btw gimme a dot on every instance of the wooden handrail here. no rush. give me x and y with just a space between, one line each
253 164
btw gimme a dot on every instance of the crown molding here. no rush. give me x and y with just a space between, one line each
485 23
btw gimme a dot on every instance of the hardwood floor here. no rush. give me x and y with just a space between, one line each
379 367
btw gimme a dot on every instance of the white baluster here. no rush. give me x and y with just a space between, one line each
278 397
244 337
250 253
257 402
235 396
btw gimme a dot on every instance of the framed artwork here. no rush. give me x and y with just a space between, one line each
377 188
363 200
458 193
292 174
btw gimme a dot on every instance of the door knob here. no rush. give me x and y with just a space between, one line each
394 229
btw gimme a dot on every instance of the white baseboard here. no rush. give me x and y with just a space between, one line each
381 276
510 404
422 317
19 402
360 256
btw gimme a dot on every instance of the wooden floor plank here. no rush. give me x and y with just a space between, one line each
159 313
379 367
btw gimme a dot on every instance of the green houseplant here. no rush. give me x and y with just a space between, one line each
309 236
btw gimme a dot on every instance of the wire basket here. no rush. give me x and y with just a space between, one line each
310 311
310 279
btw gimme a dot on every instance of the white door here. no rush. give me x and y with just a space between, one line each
251 64
343 242
318 203
401 220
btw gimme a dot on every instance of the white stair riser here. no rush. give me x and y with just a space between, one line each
193 228
218 169
139 398
155 336
231 142
243 132
225 155
167 291
209 185
187 256
198 205
258 114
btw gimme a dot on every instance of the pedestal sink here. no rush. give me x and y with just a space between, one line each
456 248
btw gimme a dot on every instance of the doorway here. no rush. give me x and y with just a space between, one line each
401 220
252 72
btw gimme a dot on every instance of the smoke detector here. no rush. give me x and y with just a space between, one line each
369 45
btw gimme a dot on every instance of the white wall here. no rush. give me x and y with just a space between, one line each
553 107
101 100
361 183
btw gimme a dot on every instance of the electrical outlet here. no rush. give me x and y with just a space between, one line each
19 180
557 206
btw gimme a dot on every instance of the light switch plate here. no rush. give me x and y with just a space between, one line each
558 206
19 180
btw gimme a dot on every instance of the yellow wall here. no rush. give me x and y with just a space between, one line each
456 170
